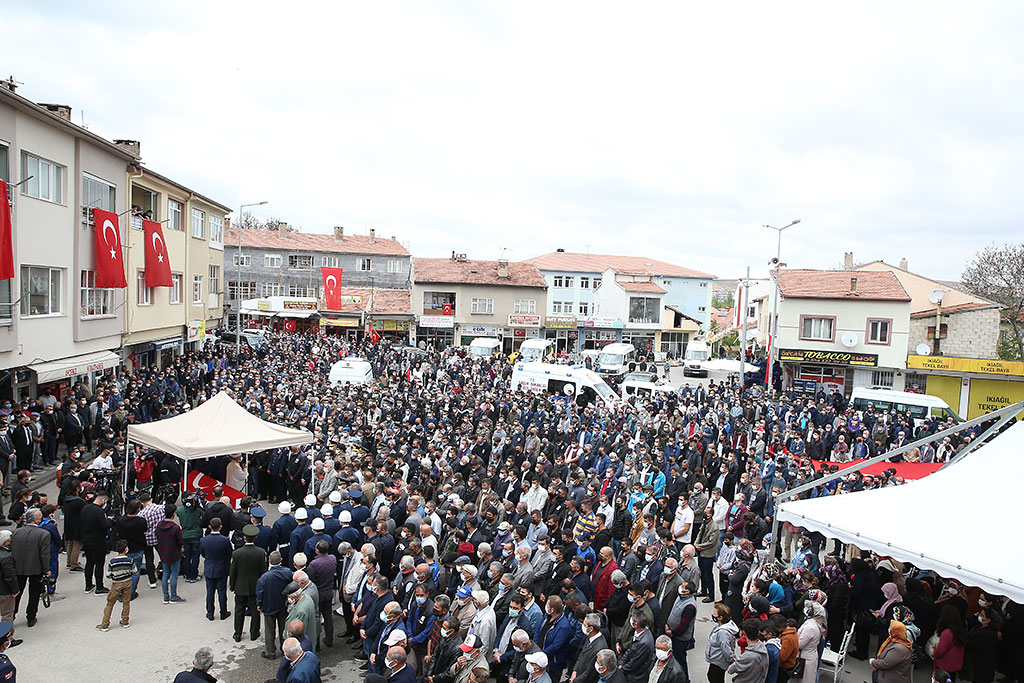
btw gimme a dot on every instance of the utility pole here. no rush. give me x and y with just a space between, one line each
745 303
774 323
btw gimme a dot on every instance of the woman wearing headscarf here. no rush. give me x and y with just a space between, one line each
864 599
837 588
809 637
917 601
893 662
737 575
884 614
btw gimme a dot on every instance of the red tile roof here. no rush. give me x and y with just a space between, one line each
835 284
958 308
640 287
318 242
468 272
385 301
597 263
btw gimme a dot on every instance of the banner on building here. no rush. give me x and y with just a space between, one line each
828 357
436 321
907 470
981 366
560 322
523 320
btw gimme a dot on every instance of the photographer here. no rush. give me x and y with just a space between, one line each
144 466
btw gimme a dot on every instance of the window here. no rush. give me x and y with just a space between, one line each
197 290
751 311
144 200
556 306
300 261
330 261
214 279
881 379
878 331
40 290
175 291
584 282
558 281
247 290
820 329
174 210
244 260
95 302
584 308
217 231
569 281
365 264
643 309
394 266
96 194
597 283
525 306
198 224
271 260
47 180
703 284
302 290
143 293
6 307
482 306
434 302
702 308
272 288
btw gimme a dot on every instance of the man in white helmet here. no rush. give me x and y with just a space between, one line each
282 531
301 534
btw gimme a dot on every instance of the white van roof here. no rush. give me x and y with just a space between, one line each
535 344
485 342
898 397
618 348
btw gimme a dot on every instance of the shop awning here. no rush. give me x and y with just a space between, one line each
295 314
67 368
253 311
167 343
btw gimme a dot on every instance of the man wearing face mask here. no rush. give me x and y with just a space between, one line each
397 666
607 668
483 623
638 605
554 636
666 667
651 568
300 607
680 624
464 609
442 654
391 620
638 651
584 671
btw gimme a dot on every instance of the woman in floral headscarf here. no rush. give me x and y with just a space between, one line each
809 637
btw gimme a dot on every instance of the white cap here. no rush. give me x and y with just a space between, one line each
483 597
317 524
395 637
310 500
326 510
345 517
285 508
299 560
301 514
538 658
335 497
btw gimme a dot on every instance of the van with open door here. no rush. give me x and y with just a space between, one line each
573 381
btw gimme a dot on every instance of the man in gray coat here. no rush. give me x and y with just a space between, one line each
30 546
584 671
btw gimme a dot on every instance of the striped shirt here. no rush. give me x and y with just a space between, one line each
120 568
586 527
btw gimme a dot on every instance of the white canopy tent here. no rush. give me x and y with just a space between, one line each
217 427
953 522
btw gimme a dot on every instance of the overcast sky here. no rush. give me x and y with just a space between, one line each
671 130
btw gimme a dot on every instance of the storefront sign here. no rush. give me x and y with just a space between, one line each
436 321
351 299
262 305
392 325
613 323
1007 368
298 305
339 322
828 357
195 330
523 320
560 322
480 330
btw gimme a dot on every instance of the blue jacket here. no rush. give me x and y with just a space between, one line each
216 549
269 587
373 624
406 675
305 670
555 642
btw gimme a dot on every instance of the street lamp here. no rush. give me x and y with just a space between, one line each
238 280
775 304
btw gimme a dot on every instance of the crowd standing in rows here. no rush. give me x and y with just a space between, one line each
450 530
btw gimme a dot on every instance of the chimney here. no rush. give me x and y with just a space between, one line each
853 286
131 146
373 235
61 110
903 263
282 229
339 232
453 254
503 268
848 260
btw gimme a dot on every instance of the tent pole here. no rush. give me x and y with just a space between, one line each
127 457
184 482
786 495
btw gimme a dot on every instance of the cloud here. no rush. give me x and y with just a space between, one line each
663 129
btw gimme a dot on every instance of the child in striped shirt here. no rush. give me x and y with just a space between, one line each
120 570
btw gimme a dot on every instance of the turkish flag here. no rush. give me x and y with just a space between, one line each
332 288
6 236
374 336
446 309
158 263
289 325
109 259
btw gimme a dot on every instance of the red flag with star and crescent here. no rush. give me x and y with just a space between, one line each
158 263
332 288
109 258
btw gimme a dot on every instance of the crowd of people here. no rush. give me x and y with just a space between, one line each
448 529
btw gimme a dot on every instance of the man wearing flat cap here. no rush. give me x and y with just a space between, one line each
247 565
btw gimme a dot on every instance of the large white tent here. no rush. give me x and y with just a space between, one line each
218 427
957 522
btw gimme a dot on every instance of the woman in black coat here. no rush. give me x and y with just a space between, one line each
865 596
983 645
837 588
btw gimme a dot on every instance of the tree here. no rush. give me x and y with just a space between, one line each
720 300
250 222
997 273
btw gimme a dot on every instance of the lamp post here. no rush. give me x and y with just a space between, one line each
238 280
774 327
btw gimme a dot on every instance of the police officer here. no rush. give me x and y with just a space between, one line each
7 671
266 535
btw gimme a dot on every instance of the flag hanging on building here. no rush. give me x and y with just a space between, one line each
109 258
332 288
6 236
158 263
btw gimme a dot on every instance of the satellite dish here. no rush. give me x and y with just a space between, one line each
936 296
849 339
922 349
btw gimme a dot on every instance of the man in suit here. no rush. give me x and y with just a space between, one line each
30 546
667 592
584 671
247 566
303 666
400 671
607 668
73 427
270 601
6 453
24 443
216 549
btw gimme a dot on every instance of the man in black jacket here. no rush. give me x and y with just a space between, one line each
8 579
72 507
95 525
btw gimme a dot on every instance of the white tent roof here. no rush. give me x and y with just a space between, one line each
953 522
218 427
